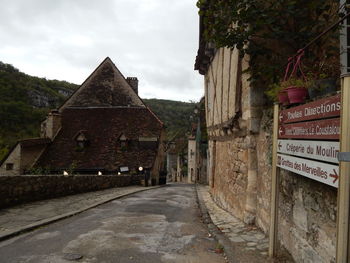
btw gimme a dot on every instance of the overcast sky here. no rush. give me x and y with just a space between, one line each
154 40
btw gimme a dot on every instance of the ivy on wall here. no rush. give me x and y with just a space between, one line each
270 31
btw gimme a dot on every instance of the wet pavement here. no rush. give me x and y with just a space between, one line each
19 218
160 225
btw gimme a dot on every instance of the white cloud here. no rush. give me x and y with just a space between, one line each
155 40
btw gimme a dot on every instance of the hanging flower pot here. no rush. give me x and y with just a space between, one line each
297 94
295 82
283 97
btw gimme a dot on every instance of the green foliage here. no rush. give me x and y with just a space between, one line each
176 115
272 91
271 30
38 171
72 167
19 117
296 82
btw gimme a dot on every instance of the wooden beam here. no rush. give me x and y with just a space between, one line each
274 187
342 254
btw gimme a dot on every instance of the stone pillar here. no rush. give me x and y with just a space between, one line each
211 162
251 191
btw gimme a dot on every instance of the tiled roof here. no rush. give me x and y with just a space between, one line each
26 143
34 142
102 127
106 86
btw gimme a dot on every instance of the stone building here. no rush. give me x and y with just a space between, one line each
197 159
239 160
171 162
233 111
192 160
175 159
198 146
103 127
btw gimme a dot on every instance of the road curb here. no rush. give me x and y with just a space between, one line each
229 248
20 230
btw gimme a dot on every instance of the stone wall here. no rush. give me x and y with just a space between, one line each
26 188
307 209
230 181
203 174
264 159
307 218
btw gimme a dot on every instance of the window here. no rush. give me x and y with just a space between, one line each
123 142
81 140
9 166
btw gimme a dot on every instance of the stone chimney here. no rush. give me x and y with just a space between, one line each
51 125
134 83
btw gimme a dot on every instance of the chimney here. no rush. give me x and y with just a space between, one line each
134 83
51 125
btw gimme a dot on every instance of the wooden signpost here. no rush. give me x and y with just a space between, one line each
320 109
319 171
318 150
306 142
328 129
318 120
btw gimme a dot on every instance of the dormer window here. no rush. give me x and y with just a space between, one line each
81 140
9 166
123 142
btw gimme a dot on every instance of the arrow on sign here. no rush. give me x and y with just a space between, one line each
280 131
279 146
335 176
281 117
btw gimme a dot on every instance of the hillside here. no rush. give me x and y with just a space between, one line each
25 101
175 114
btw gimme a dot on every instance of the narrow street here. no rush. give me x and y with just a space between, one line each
160 225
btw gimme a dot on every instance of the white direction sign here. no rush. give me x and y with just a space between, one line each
322 172
319 150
